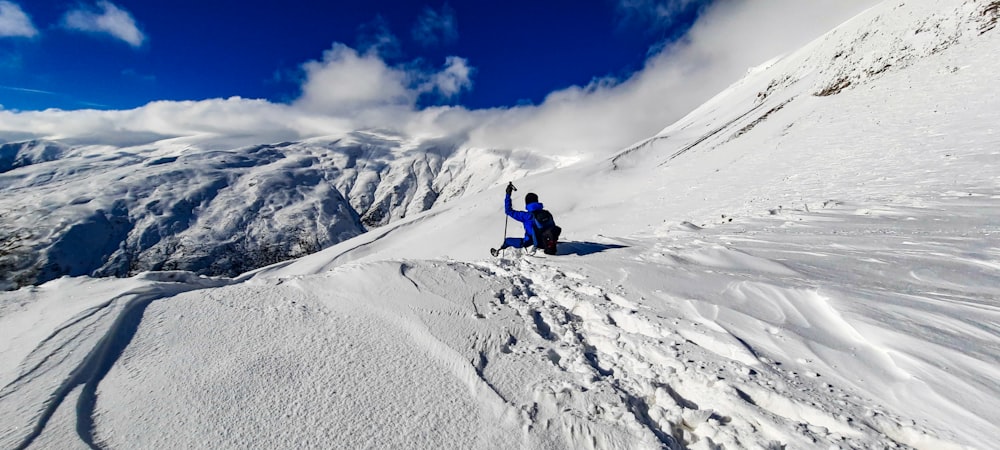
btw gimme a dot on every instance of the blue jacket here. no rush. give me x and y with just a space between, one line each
524 217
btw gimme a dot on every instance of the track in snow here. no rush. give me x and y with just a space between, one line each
109 328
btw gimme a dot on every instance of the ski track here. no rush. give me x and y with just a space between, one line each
867 319
76 357
726 337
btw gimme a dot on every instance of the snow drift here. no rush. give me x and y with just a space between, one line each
809 260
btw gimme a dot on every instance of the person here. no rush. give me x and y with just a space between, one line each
527 219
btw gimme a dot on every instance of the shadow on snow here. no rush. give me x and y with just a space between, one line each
584 248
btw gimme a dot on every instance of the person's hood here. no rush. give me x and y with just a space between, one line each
532 207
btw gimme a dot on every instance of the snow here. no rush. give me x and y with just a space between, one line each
779 269
110 211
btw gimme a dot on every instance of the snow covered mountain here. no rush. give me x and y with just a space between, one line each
109 211
809 260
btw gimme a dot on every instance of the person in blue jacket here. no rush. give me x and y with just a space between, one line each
531 204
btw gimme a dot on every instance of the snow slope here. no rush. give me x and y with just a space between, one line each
779 269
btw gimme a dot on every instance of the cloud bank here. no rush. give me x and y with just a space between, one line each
609 114
14 22
348 89
108 19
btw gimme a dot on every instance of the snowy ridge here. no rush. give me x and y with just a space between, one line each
22 154
886 39
820 275
108 211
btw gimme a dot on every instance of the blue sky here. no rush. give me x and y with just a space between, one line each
562 77
123 54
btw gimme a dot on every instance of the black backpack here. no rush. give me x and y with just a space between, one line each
546 231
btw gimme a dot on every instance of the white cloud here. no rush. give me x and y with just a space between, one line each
348 90
107 19
21 89
456 77
345 81
433 27
235 121
609 114
14 21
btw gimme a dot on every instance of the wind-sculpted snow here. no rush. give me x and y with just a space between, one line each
107 211
106 328
765 334
780 269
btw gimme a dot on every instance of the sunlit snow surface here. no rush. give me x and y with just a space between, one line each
107 211
777 270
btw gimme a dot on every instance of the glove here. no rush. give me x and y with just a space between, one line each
510 188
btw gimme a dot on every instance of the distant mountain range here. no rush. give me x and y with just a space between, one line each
110 211
106 210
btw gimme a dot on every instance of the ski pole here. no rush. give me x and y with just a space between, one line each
510 187
505 219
